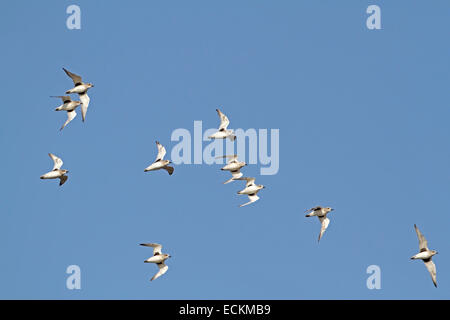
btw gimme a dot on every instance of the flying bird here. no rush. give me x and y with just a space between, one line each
234 166
251 189
321 213
68 105
158 258
159 163
223 132
81 88
425 255
57 172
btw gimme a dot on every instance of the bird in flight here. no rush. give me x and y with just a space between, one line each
234 166
160 163
158 257
425 255
321 213
57 172
81 88
68 105
251 189
223 132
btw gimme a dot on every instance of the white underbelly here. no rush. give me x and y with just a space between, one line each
51 175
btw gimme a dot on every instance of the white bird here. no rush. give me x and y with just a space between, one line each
321 213
159 163
251 189
425 255
158 258
223 132
80 88
57 172
68 105
234 166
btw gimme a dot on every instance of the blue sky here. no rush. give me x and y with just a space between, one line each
363 118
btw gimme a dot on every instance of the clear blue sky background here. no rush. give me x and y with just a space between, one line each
364 128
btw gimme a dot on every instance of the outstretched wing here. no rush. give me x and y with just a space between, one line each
236 174
313 209
63 179
75 78
249 180
161 151
224 122
162 269
84 98
252 197
156 247
431 269
70 116
169 169
234 156
65 99
423 244
57 161
325 222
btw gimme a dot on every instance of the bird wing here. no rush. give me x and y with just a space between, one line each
70 116
252 197
156 247
431 269
234 156
169 169
84 98
325 222
65 99
161 151
63 179
75 78
57 161
423 244
162 269
250 181
236 174
313 209
224 122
